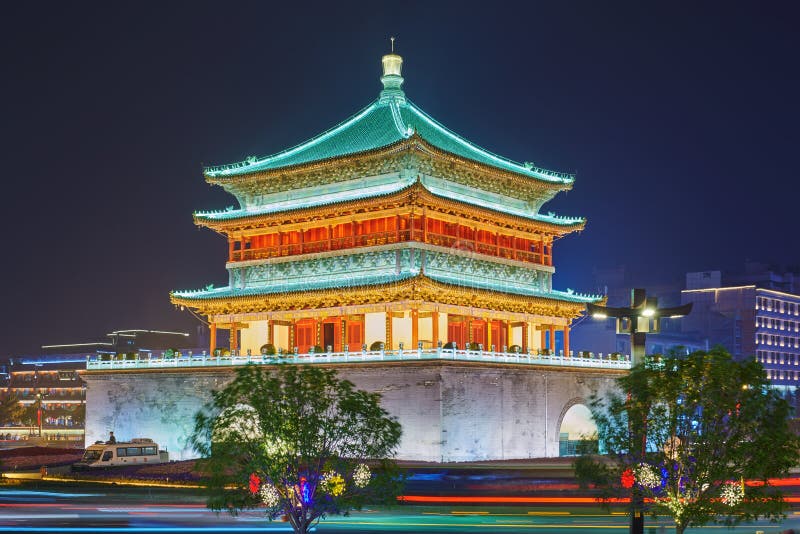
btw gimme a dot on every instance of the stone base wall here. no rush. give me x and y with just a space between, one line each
449 411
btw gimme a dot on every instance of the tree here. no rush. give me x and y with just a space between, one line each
297 440
11 411
698 437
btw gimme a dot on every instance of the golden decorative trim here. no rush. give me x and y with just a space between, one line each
418 288
448 165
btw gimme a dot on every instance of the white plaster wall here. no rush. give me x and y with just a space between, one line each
442 329
254 337
281 337
536 337
425 332
516 336
401 332
374 328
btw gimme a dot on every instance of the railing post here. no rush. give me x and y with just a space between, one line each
455 345
401 350
439 349
383 351
419 350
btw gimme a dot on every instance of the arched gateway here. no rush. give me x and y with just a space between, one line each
387 232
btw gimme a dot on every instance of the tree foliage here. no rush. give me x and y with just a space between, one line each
687 432
11 411
297 440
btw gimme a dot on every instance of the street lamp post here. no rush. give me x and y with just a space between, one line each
642 317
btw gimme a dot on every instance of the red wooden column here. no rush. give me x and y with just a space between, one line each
435 328
525 337
566 340
317 332
302 240
552 346
213 337
414 328
544 337
397 228
230 248
270 332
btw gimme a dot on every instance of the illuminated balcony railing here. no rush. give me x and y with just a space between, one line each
583 360
393 236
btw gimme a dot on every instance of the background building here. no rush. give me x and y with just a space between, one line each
749 321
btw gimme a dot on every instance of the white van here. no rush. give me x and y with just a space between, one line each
134 452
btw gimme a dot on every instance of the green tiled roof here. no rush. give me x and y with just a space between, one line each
385 121
378 189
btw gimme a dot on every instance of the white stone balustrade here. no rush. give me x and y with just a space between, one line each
95 363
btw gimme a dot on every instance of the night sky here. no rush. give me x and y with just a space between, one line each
681 121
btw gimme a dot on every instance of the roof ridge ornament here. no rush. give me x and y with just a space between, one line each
392 78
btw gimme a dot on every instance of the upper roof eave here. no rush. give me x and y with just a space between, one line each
415 142
232 173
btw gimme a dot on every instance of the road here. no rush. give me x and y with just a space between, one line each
116 509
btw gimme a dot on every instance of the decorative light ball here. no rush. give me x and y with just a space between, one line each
332 483
627 479
269 495
646 476
254 483
361 475
732 493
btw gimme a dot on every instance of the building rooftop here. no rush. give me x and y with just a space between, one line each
390 119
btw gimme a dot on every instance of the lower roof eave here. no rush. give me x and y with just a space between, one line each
416 288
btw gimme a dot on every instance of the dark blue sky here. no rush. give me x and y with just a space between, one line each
680 119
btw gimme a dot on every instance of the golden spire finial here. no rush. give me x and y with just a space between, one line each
392 40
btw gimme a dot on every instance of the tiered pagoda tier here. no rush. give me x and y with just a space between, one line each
388 228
